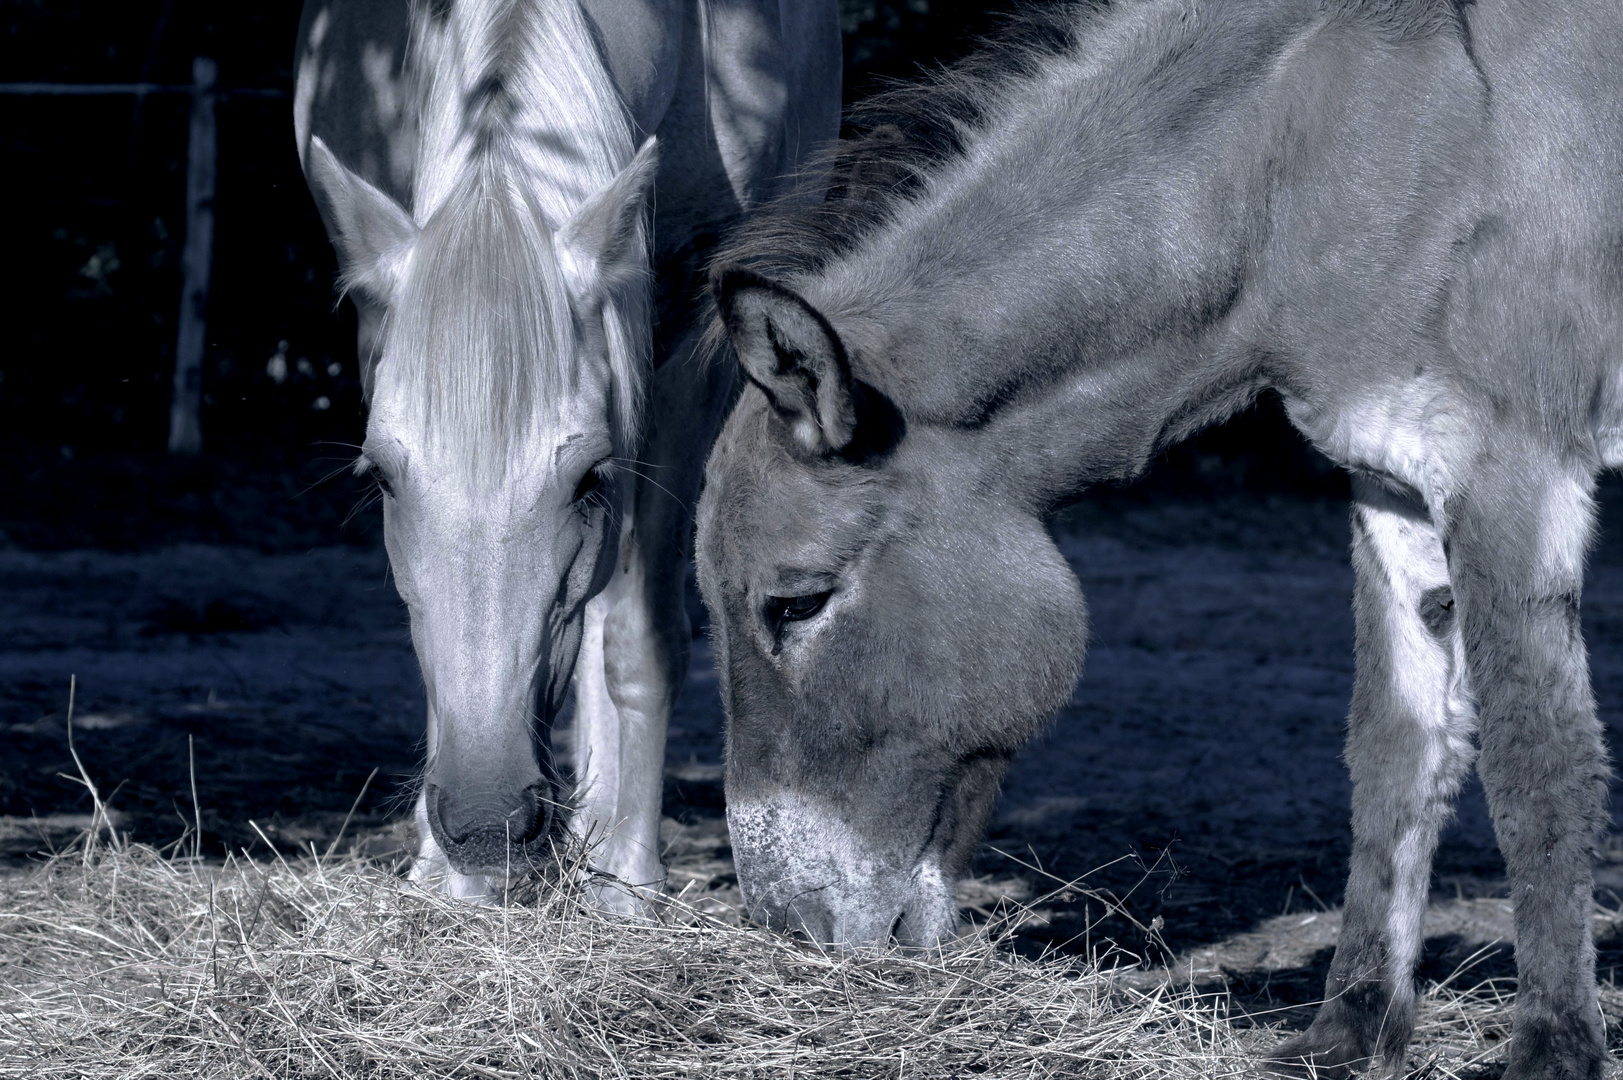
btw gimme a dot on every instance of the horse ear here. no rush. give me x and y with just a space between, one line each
789 350
372 233
599 244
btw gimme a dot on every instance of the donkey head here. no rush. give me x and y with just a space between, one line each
504 387
891 622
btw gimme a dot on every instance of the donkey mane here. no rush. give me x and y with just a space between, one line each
521 124
893 139
901 135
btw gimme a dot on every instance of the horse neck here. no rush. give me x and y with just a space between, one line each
520 86
1084 249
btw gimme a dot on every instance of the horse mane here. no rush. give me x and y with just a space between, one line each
899 136
520 123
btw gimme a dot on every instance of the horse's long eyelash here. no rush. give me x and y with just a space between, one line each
325 478
598 497
365 466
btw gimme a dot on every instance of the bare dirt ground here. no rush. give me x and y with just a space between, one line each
1196 772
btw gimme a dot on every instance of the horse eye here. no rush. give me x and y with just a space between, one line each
590 482
788 609
380 480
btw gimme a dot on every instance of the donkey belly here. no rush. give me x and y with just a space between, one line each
1421 438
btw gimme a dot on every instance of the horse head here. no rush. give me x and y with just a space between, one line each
504 389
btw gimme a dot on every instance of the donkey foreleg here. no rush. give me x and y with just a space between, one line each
1409 747
1516 547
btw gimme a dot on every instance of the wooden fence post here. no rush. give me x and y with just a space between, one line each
185 407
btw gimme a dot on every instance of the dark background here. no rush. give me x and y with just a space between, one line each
97 187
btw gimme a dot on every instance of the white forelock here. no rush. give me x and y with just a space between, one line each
520 125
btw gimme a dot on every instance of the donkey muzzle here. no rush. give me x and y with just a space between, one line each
874 918
803 870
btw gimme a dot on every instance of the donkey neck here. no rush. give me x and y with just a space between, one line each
1083 277
1091 207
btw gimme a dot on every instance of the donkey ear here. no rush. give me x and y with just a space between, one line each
789 350
599 243
373 233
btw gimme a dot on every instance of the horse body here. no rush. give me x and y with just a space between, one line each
1404 217
533 421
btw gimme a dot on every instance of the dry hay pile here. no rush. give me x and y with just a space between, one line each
119 961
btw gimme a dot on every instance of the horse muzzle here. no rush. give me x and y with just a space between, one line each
499 832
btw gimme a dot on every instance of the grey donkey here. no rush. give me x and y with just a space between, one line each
1039 269
521 193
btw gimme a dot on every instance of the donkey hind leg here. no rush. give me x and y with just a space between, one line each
1408 747
1516 548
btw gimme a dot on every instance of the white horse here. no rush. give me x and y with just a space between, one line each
487 170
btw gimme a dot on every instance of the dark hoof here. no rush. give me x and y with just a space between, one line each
1315 1054
1535 1055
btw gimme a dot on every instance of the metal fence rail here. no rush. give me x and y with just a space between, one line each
137 89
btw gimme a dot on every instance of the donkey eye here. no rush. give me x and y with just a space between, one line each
380 480
788 609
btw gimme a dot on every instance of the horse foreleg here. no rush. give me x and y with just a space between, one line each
625 683
1516 546
596 748
633 660
646 648
634 656
1408 746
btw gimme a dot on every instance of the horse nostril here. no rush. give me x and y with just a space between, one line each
894 937
536 814
517 819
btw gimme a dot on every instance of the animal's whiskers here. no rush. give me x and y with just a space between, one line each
628 463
